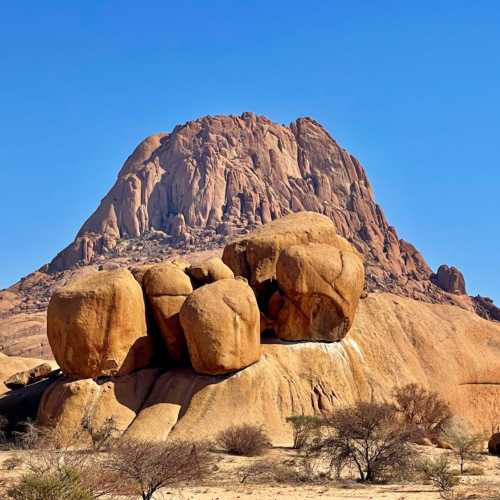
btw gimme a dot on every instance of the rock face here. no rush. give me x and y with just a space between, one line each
321 286
393 341
167 287
225 174
96 325
450 279
221 324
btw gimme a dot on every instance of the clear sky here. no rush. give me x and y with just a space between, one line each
410 88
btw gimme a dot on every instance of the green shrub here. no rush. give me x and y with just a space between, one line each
56 485
305 428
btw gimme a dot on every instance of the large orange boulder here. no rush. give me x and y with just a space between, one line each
255 255
321 286
166 287
221 322
96 325
209 270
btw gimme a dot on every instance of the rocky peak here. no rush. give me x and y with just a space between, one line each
219 177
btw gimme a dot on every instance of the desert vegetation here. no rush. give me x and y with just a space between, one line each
366 443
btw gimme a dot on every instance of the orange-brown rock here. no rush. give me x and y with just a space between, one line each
96 325
255 256
450 279
209 270
67 402
25 377
221 322
166 287
321 286
494 444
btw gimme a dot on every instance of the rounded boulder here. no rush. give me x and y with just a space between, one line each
166 287
221 322
321 286
96 325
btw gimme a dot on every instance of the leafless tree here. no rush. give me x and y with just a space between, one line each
422 409
369 436
145 467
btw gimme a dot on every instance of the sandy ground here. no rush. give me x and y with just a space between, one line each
224 484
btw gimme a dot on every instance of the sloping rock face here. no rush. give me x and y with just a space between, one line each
393 341
226 174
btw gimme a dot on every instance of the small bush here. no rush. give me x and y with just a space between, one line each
245 440
54 485
440 473
143 467
305 428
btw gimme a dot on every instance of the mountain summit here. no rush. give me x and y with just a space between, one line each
212 180
220 176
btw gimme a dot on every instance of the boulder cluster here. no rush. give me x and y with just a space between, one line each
294 278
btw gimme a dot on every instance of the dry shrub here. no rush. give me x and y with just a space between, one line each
422 409
143 467
245 440
305 429
440 473
467 445
368 436
55 475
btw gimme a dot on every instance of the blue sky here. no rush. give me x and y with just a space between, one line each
410 88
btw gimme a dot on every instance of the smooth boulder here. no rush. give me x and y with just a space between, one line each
209 270
96 325
221 322
166 287
255 255
321 286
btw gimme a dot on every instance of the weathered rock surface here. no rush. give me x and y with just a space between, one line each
67 402
450 279
393 341
96 325
221 322
209 271
255 256
10 365
321 286
25 377
166 287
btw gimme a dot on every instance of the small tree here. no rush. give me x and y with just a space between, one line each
145 467
440 473
466 445
245 440
304 429
422 409
369 436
